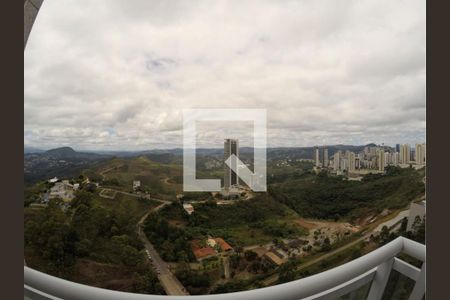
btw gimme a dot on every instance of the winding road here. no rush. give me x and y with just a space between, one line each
169 281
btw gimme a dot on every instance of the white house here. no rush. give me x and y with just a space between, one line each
136 184
53 180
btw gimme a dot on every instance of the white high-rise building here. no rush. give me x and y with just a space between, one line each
325 158
395 158
317 157
231 146
357 163
351 161
405 153
381 160
387 158
337 161
420 154
343 164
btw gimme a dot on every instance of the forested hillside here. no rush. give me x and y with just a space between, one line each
330 197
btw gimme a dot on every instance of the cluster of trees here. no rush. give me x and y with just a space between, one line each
33 193
417 232
240 261
287 271
210 215
295 170
280 229
248 260
333 197
87 231
258 214
51 238
171 242
231 286
196 282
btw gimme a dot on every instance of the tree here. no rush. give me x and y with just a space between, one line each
403 226
255 266
326 246
250 255
82 197
384 234
147 283
287 272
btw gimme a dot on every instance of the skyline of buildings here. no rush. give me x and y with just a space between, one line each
371 158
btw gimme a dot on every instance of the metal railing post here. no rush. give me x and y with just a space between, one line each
380 280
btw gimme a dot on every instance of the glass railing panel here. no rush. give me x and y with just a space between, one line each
358 294
398 287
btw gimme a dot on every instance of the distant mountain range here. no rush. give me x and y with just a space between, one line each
62 161
28 150
68 152
66 162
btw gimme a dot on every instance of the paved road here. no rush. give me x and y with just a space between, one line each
170 283
393 221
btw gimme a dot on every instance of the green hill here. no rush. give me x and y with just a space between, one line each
159 179
330 197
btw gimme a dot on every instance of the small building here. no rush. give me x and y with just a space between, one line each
211 242
224 246
188 208
204 253
201 252
53 180
260 251
274 258
136 184
62 190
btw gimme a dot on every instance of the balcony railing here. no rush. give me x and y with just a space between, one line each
373 268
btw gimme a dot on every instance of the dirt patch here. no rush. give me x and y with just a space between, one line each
322 229
317 224
177 223
306 224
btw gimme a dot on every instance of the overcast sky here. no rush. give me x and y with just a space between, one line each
115 75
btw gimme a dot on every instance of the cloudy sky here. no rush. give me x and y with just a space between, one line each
116 75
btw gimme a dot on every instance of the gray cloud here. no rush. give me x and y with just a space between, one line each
116 75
